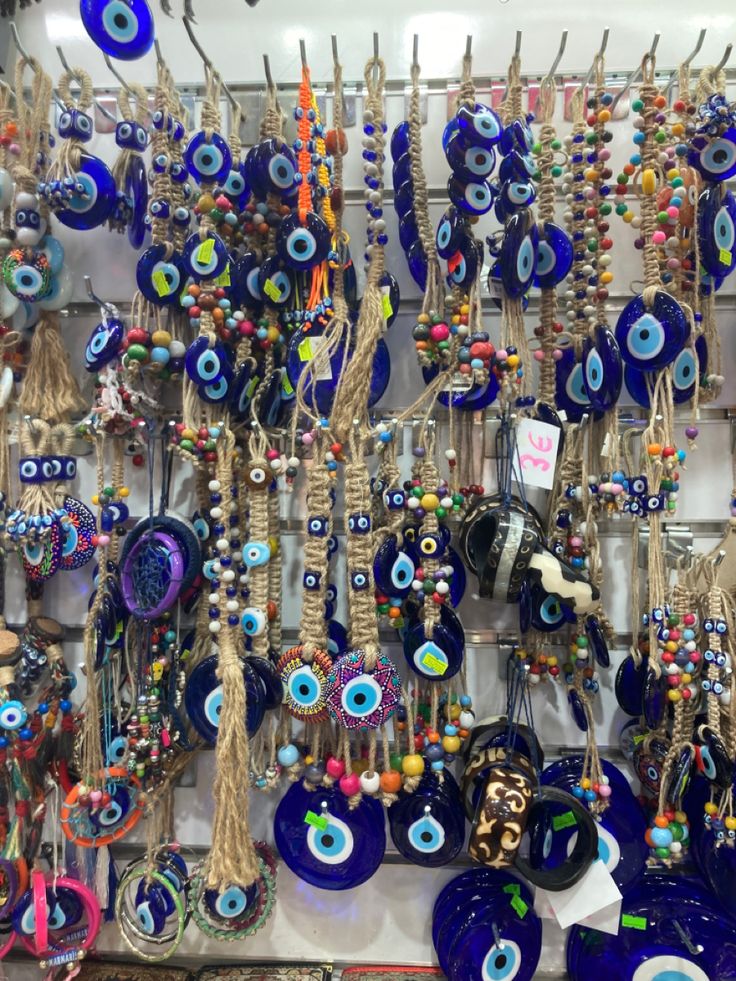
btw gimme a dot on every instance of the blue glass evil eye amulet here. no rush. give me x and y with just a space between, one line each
121 28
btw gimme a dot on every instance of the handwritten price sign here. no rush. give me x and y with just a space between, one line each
536 453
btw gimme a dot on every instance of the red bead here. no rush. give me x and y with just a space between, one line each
138 460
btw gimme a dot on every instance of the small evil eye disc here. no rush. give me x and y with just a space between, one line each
27 280
257 477
715 159
303 246
218 390
205 258
602 369
271 168
401 170
232 903
516 195
332 844
275 282
450 233
519 254
472 197
554 256
121 28
426 835
570 393
208 161
687 367
469 163
204 364
117 751
464 265
103 344
256 554
429 545
12 715
651 338
517 167
253 621
479 124
158 277
502 962
94 196
234 186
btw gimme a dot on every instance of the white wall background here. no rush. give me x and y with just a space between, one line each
389 917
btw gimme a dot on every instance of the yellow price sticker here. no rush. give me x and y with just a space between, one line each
305 349
388 310
433 663
286 386
161 283
271 290
205 251
725 257
224 278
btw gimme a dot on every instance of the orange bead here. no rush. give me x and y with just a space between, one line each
394 612
661 821
271 610
648 837
660 102
422 345
193 290
654 449
629 169
433 736
391 782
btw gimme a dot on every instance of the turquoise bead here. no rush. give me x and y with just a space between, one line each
288 755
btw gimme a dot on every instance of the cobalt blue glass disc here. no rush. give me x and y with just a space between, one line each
478 396
404 199
208 160
602 369
428 825
519 254
337 639
271 168
401 170
475 883
511 950
242 389
478 124
390 288
203 699
717 230
688 367
450 233
204 258
326 843
418 265
275 282
103 344
514 196
205 365
474 197
121 28
159 279
400 140
714 158
136 188
440 656
652 339
303 246
629 685
393 569
465 263
94 205
408 232
570 393
554 256
469 161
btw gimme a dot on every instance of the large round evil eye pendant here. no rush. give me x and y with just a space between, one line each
687 368
121 28
651 337
204 258
160 277
362 695
519 254
571 395
208 160
602 369
93 199
715 158
203 698
717 230
303 246
554 256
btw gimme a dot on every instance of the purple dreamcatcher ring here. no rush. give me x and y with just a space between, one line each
358 698
152 574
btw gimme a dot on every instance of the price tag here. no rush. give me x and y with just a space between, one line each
224 278
519 906
566 820
161 283
514 888
286 385
271 290
725 257
316 820
388 310
305 349
536 453
204 252
639 738
433 663
634 922
253 385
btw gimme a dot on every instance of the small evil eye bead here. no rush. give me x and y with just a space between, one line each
717 688
469 162
208 160
257 477
55 467
217 391
395 500
176 129
709 655
721 626
332 545
234 186
30 470
429 546
178 173
359 579
30 227
714 158
359 524
160 208
311 580
639 485
654 502
256 554
253 621
160 163
47 468
450 233
317 526
205 258
103 344
303 246
126 135
181 216
720 659
68 467
472 197
479 124
81 126
331 593
709 625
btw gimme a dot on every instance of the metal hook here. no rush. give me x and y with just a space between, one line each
303 52
335 59
415 52
724 59
374 72
692 948
17 42
157 49
517 46
558 57
686 62
634 76
208 64
267 71
719 558
117 74
468 45
599 54
95 298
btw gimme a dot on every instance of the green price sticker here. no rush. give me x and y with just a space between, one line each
634 922
316 820
514 888
161 283
271 290
204 252
639 738
305 349
224 278
388 310
286 386
566 820
433 663
519 906
725 257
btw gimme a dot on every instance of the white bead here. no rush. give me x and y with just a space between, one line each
416 585
228 575
675 847
29 236
214 485
214 599
276 464
215 513
412 502
216 567
232 605
243 580
293 461
467 719
370 783
215 626
442 587
24 199
237 556
235 532
446 502
222 544
533 679
450 454
177 349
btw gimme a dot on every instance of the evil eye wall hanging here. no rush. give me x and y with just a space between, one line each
305 681
519 254
93 197
204 258
650 338
717 230
203 699
121 28
325 841
602 369
688 367
472 197
271 168
393 568
428 826
479 124
208 160
159 275
554 255
715 159
450 233
439 656
103 344
359 697
92 828
303 246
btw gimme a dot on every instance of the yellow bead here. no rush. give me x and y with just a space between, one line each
273 544
674 695
670 646
673 172
512 360
413 765
451 744
677 130
160 338
648 181
273 334
188 434
680 817
124 492
464 309
730 823
686 678
606 277
520 653
628 217
711 808
423 318
95 498
551 661
430 502
604 116
157 670
585 783
308 760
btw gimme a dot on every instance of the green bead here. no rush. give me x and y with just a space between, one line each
677 182
621 209
187 444
457 498
592 245
556 144
556 171
443 345
417 492
582 641
383 607
537 148
109 492
662 852
677 832
591 138
441 512
216 215
456 508
137 352
637 105
428 586
662 217
673 620
622 179
395 760
425 712
660 136
210 445
605 209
